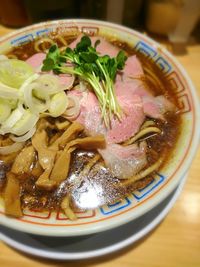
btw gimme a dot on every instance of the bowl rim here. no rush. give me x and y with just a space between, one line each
181 170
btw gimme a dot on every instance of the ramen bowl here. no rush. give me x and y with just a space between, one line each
164 182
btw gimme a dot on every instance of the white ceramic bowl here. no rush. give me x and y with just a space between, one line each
139 202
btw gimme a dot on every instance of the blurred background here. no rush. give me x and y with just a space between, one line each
176 20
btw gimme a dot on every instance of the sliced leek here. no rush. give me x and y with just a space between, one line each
58 104
14 117
8 92
5 150
5 110
49 83
27 121
36 105
14 72
25 96
25 137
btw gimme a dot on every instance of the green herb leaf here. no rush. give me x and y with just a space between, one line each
88 57
48 64
121 59
83 44
53 53
99 71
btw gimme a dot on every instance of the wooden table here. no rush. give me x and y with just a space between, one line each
176 241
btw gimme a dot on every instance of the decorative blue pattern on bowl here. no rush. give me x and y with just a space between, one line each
150 52
142 193
119 205
137 195
22 40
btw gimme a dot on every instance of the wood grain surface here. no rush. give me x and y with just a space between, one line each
176 241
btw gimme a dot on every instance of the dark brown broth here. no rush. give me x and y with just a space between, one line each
99 186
